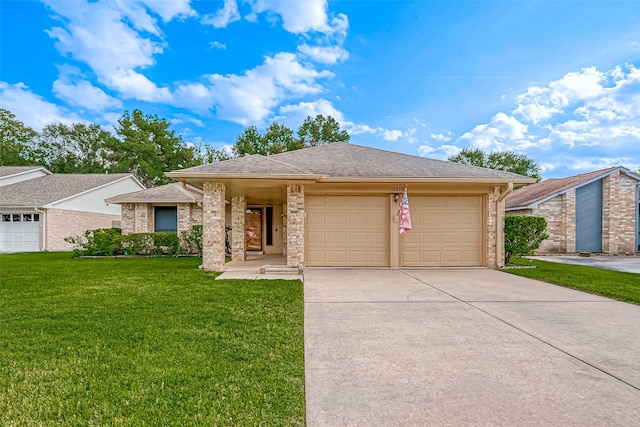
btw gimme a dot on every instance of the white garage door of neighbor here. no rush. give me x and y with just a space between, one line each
347 231
446 231
19 232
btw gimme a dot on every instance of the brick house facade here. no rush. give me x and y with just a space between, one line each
615 212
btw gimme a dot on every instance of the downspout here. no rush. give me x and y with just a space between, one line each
500 226
44 228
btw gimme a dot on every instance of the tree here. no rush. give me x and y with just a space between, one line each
148 148
76 148
16 141
321 130
500 160
277 139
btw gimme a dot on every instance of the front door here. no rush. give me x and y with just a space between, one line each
253 229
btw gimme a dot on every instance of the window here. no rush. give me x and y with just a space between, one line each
269 218
166 218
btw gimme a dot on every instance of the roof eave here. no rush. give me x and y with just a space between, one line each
428 180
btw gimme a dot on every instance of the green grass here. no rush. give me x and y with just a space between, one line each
153 341
612 284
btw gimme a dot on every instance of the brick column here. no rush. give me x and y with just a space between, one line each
295 225
213 218
183 211
492 248
238 209
128 218
569 207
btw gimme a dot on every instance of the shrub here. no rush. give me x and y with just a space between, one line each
99 242
191 240
523 235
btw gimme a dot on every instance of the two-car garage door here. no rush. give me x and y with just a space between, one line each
354 231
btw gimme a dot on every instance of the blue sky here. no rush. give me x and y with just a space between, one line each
556 80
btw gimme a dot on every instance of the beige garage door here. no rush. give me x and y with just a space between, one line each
446 231
347 231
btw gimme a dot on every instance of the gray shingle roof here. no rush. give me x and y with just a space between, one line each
170 193
40 191
345 160
12 170
535 193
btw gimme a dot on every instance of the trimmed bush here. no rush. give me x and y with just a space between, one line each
523 235
99 242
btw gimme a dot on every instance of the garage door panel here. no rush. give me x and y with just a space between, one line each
449 231
355 230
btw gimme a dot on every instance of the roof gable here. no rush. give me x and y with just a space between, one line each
16 170
49 189
532 195
170 193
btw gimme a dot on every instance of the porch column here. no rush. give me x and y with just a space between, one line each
295 225
238 209
495 256
213 218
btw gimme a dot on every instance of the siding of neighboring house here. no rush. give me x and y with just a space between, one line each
616 224
63 223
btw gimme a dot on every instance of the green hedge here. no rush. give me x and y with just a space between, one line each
111 241
523 235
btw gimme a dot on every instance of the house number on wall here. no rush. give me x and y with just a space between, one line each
397 189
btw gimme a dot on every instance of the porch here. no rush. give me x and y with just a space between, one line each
260 266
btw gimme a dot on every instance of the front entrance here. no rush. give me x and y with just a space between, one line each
253 229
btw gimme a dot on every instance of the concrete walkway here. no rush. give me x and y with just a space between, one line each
465 347
628 264
250 268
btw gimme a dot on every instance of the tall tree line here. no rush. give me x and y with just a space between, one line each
144 145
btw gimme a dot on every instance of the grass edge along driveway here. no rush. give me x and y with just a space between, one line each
617 285
150 341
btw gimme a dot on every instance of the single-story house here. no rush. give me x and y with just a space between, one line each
337 205
39 209
172 207
591 212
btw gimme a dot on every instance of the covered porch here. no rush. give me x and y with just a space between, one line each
261 266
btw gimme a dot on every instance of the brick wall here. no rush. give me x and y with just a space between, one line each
295 225
63 223
619 213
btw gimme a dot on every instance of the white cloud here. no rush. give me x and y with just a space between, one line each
440 137
502 132
223 17
132 84
31 109
169 9
115 39
217 45
326 55
84 94
294 114
253 96
441 152
297 16
392 134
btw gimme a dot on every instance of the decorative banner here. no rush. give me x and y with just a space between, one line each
405 217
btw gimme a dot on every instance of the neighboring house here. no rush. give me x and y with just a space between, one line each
171 207
337 205
39 209
591 212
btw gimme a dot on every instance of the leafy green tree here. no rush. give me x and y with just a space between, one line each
500 160
321 130
76 148
277 139
148 148
213 155
16 141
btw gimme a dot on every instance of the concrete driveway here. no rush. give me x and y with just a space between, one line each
465 347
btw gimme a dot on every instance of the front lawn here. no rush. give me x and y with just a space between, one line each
146 342
608 283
